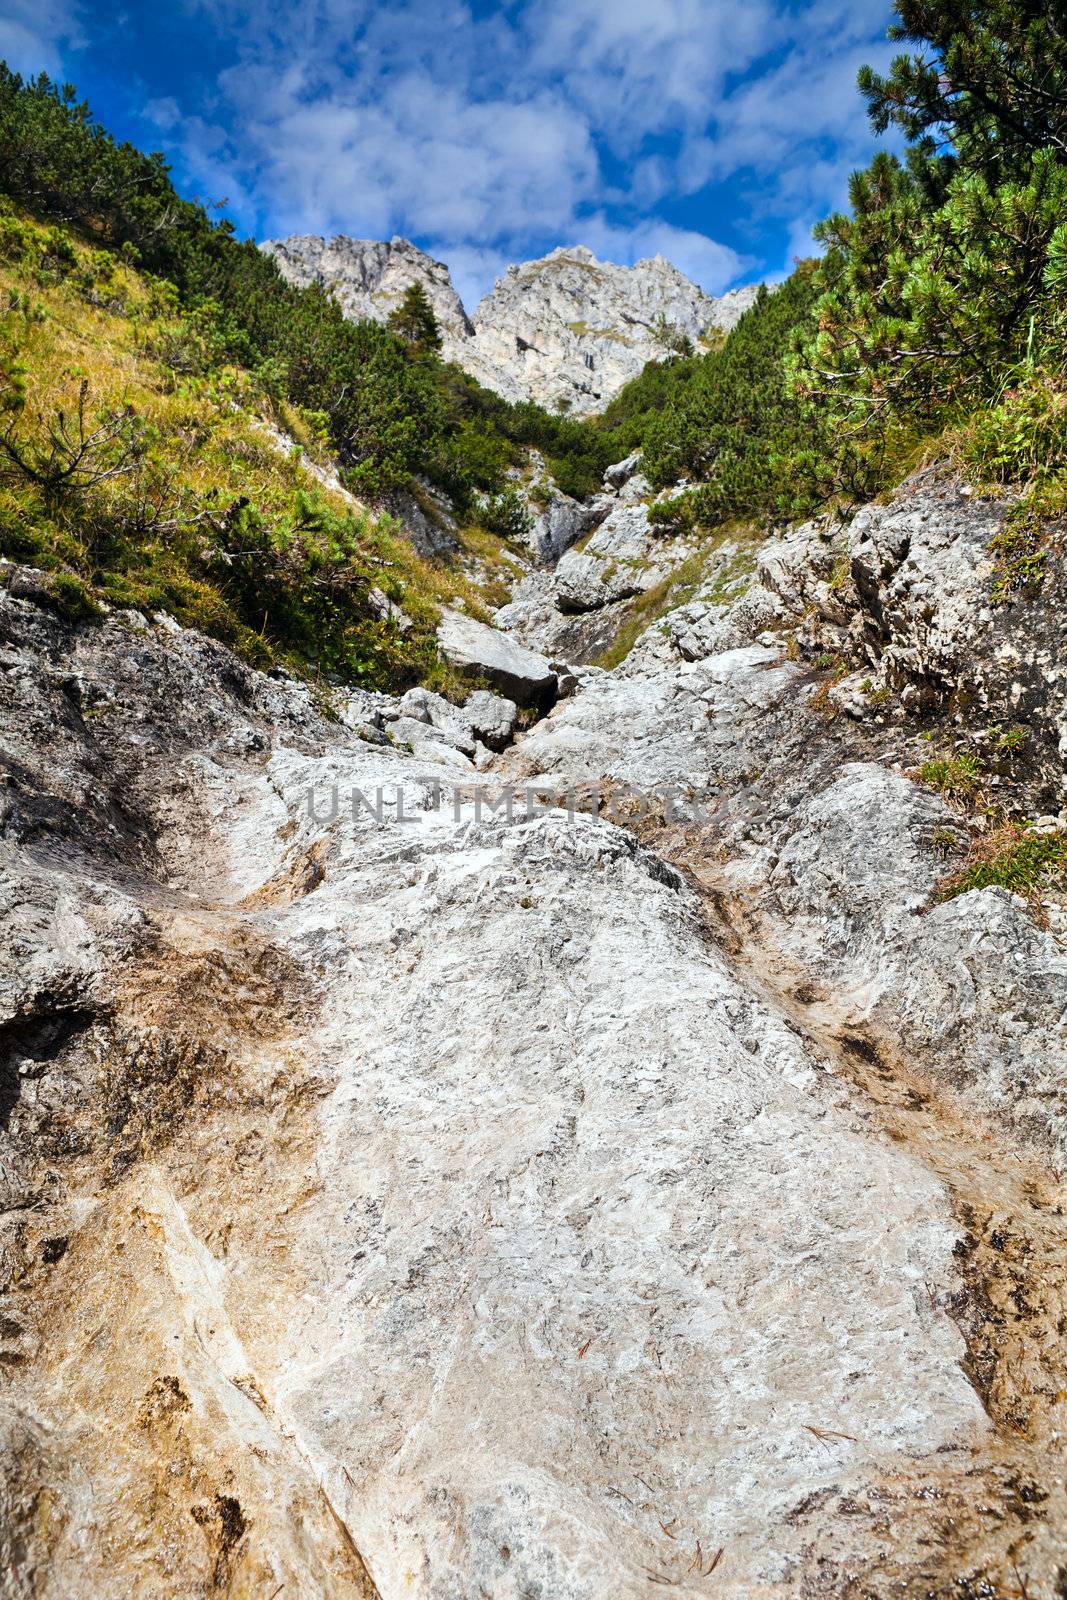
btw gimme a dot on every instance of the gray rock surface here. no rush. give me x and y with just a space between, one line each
530 1201
423 721
567 331
555 527
844 874
368 277
492 717
576 610
621 472
533 617
905 590
387 610
427 519
402 1197
483 652
923 572
626 556
737 729
430 713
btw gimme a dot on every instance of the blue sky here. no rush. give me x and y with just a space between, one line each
715 131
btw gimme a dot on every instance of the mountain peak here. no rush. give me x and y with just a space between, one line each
566 330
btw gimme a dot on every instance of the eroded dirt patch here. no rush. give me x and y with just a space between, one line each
145 1269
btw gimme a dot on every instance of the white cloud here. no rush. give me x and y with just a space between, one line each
35 35
491 138
642 66
474 270
165 113
383 164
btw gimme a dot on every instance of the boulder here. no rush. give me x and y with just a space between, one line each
555 528
422 739
447 721
591 580
534 619
492 718
625 557
482 652
426 520
617 474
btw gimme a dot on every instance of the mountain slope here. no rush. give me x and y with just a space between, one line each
566 331
140 467
449 1200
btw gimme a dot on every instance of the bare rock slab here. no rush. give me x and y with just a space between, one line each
482 652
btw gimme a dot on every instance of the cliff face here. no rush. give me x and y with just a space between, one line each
570 330
567 331
368 276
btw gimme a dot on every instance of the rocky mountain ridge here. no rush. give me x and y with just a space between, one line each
567 330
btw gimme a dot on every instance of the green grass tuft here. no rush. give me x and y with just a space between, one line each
1013 858
957 776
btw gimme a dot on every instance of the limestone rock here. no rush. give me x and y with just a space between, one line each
481 651
410 1190
448 722
576 611
430 1190
567 331
523 1162
491 717
840 856
430 742
907 587
623 558
368 277
387 610
423 721
533 617
924 571
427 519
555 527
622 471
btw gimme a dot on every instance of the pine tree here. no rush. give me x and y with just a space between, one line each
413 320
942 276
986 89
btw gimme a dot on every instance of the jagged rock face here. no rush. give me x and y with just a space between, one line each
555 527
575 611
906 592
368 277
567 331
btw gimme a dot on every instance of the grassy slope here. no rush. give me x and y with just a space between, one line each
206 442
251 548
